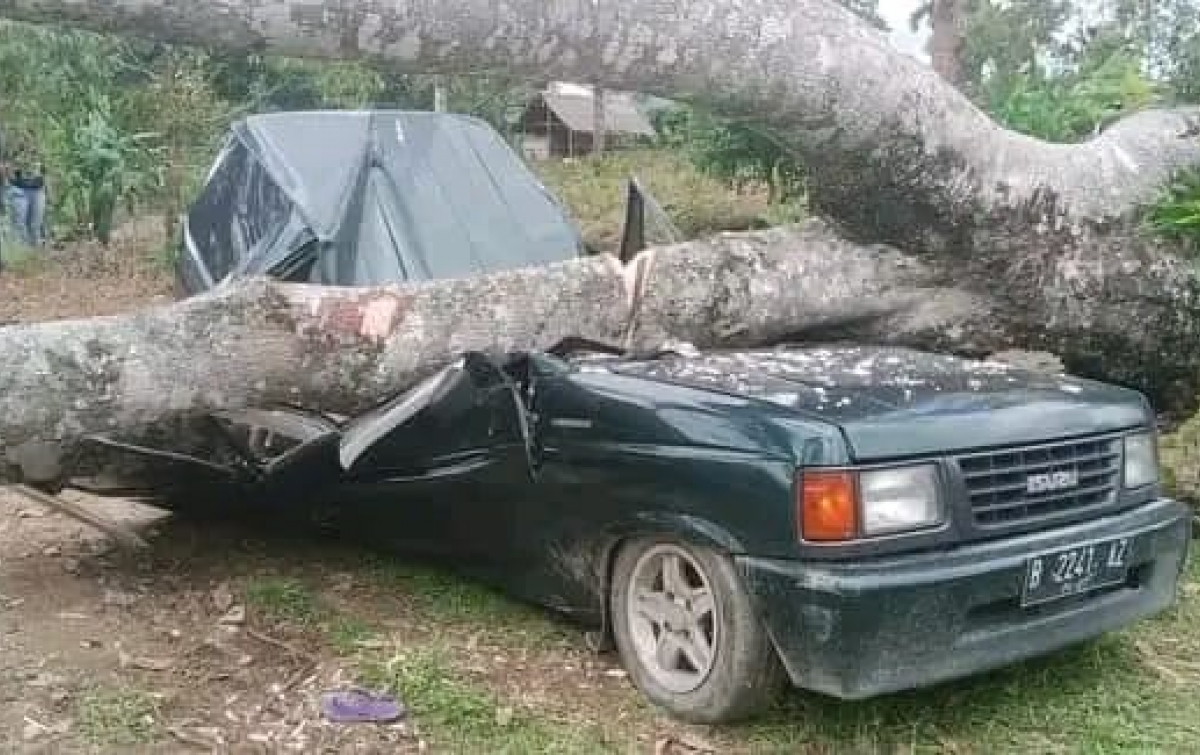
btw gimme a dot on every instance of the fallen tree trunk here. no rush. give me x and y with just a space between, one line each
998 240
343 350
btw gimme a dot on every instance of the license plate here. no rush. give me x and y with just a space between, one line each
1054 576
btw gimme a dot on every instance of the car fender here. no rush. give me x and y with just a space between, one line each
691 529
688 527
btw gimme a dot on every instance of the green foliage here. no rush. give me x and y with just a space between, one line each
102 164
1177 215
122 125
1072 105
697 202
738 153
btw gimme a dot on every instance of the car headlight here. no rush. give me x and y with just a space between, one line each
1141 461
900 499
843 505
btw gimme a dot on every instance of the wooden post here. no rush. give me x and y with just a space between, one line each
440 95
599 125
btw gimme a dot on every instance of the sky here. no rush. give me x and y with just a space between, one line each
897 13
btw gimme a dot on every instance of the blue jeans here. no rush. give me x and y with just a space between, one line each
28 210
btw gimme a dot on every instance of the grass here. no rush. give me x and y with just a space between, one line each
122 717
594 190
443 597
1133 692
285 600
461 717
457 714
22 260
293 603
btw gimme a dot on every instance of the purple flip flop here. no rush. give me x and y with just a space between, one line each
361 706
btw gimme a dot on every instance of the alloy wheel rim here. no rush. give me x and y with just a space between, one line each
673 618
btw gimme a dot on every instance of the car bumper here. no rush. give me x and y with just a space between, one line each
859 630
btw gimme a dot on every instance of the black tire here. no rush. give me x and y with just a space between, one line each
746 674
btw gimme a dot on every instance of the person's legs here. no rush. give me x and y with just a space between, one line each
19 209
35 216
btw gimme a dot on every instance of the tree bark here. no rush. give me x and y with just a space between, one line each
947 44
342 350
997 240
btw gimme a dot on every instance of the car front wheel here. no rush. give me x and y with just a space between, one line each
688 635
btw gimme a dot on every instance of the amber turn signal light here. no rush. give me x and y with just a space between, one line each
828 507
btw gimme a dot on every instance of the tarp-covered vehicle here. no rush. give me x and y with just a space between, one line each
859 520
361 198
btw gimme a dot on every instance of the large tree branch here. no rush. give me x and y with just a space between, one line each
342 350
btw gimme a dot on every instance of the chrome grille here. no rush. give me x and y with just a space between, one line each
999 482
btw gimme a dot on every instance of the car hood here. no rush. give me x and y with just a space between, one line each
893 403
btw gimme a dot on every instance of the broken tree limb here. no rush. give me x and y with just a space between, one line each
122 536
261 343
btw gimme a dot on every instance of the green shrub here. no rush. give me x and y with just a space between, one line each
697 202
1177 215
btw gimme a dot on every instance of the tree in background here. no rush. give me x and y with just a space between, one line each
134 125
948 41
866 9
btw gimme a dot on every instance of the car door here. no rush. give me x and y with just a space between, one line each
440 470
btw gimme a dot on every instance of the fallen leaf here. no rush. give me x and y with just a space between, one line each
151 664
32 730
679 746
120 598
222 598
204 739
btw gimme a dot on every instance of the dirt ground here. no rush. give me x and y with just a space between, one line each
208 642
